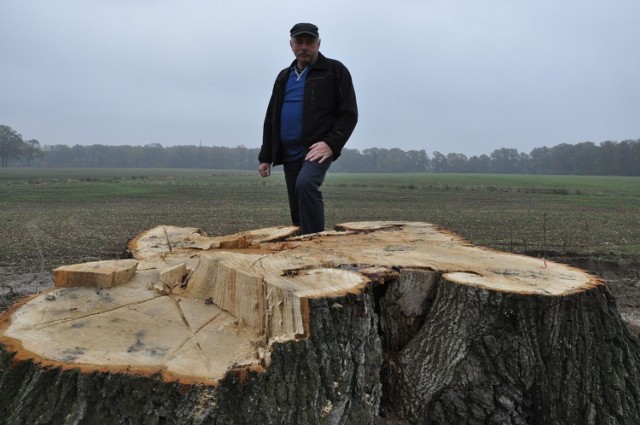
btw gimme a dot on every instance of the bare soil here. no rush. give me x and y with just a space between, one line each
15 285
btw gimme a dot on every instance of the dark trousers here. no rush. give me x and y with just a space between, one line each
304 179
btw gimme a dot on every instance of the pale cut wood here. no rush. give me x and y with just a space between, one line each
162 240
262 283
171 277
96 274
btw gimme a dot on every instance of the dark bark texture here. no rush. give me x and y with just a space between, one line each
489 357
330 378
403 304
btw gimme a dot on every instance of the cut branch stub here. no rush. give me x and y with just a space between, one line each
251 313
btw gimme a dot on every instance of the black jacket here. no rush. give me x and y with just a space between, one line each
330 111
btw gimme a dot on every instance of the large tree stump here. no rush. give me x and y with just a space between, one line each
265 328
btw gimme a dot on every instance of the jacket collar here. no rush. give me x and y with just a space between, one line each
320 63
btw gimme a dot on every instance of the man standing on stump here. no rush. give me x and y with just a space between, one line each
311 114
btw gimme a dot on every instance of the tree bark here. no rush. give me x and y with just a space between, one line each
403 319
486 357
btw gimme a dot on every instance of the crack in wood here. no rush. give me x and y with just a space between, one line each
72 319
193 335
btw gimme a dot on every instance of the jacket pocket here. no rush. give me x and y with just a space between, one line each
321 93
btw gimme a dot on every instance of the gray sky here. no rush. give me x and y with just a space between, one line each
451 76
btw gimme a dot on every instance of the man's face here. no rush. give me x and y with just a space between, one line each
305 48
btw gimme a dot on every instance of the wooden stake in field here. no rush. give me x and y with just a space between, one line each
264 328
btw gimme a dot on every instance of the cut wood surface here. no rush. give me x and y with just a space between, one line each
97 274
193 308
256 286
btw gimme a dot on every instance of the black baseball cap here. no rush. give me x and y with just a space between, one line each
304 28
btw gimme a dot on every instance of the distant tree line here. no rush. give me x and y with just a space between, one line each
608 158
587 158
14 147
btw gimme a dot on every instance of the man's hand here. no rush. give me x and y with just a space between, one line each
319 151
264 169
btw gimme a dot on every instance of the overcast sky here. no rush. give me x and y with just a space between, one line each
451 76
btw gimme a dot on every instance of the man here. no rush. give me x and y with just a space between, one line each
311 114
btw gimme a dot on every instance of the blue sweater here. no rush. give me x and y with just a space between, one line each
291 116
